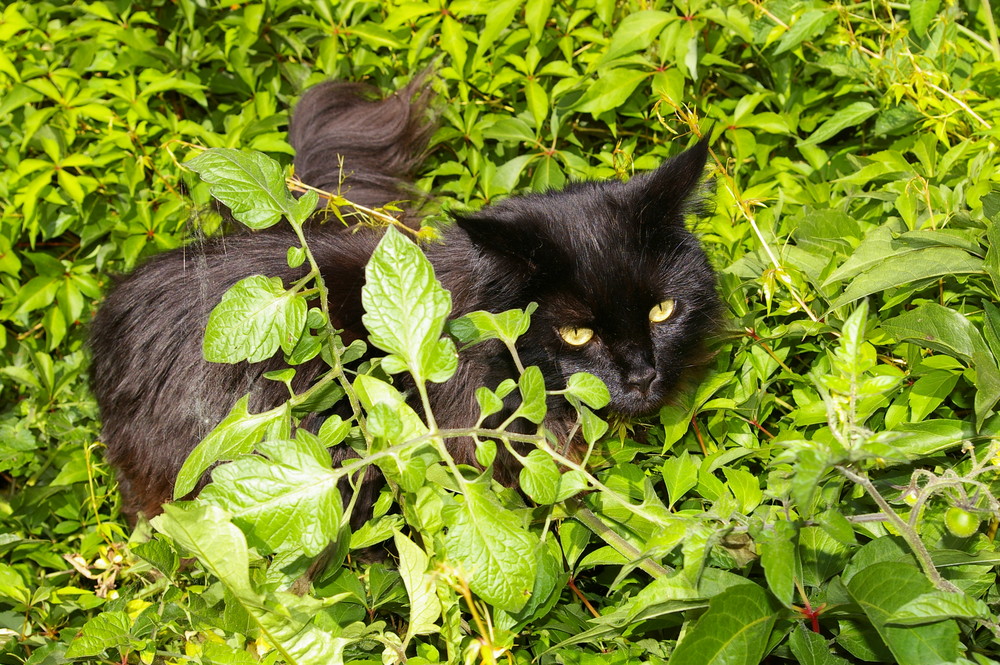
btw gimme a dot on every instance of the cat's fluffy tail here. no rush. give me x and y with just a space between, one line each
379 141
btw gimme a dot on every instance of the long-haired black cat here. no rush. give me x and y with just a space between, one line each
624 292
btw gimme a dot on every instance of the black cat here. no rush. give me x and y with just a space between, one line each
624 292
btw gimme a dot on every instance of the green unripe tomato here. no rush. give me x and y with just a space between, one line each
961 523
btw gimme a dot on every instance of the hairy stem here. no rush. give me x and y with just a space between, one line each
907 532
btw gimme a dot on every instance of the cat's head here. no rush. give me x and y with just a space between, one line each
624 290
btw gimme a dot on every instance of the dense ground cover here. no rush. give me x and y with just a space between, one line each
827 494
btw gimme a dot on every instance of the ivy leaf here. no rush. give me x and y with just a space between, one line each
492 548
406 308
256 317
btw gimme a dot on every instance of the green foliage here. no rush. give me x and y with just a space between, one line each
801 503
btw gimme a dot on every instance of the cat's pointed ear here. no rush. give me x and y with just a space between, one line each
667 193
497 233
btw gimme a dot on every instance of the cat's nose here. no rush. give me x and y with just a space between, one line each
640 378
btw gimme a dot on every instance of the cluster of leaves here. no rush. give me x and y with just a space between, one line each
827 494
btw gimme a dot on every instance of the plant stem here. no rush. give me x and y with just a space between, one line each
622 546
324 303
907 532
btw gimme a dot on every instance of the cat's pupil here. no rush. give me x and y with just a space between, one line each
575 335
661 311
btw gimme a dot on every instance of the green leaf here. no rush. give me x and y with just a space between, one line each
491 546
479 326
588 389
939 328
992 261
285 501
592 426
810 648
250 184
922 12
882 589
333 430
205 531
929 391
376 36
635 32
540 477
935 606
425 608
107 630
611 90
745 488
778 549
256 317
680 475
237 434
851 116
810 467
734 630
808 26
893 271
285 620
532 387
406 308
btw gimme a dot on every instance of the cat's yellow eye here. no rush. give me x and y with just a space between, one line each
576 336
661 311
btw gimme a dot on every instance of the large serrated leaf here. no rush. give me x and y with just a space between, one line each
251 184
406 308
237 434
284 619
286 501
256 317
493 549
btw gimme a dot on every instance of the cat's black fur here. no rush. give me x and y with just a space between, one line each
596 254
